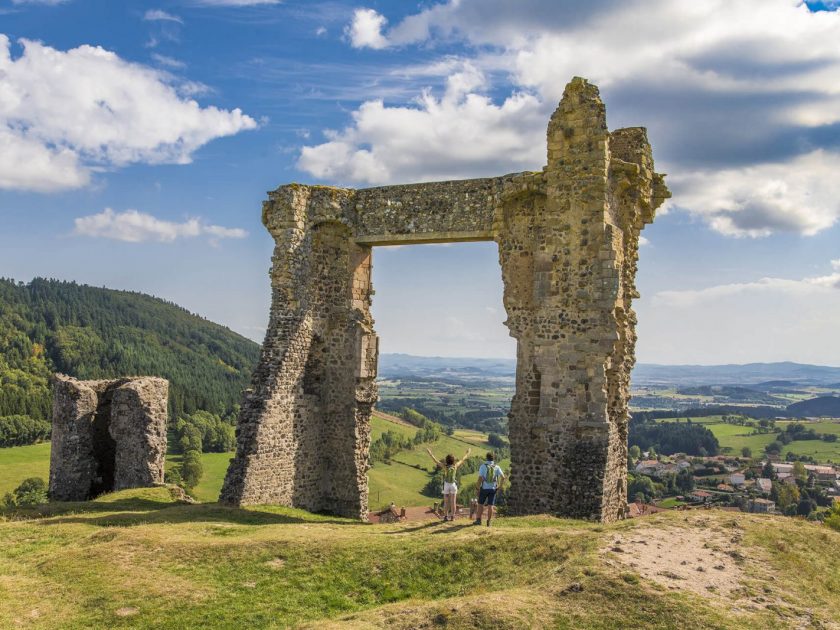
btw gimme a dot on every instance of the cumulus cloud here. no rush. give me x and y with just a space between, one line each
365 31
727 90
73 112
136 227
801 195
158 15
461 132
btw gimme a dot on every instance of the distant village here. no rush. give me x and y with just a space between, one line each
682 481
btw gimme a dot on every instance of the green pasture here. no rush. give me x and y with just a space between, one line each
138 559
19 462
736 437
400 482
215 466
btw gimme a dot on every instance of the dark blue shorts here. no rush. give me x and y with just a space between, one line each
487 497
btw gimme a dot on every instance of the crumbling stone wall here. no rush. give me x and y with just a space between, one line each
106 436
568 241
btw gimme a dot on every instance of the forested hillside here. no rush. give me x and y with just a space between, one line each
87 332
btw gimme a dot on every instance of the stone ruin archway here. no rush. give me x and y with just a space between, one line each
568 246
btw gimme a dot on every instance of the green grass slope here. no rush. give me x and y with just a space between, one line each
137 559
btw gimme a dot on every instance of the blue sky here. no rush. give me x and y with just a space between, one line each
138 139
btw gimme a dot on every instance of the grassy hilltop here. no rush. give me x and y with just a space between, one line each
140 559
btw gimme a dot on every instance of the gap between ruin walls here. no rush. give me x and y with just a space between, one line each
568 247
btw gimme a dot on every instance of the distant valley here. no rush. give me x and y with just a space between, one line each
481 387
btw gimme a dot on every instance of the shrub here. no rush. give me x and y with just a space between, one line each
191 469
833 518
31 491
496 441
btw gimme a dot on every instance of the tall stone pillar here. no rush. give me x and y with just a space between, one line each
304 427
568 241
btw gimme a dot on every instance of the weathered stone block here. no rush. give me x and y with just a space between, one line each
106 436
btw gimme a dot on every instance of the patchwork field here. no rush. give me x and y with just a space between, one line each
736 437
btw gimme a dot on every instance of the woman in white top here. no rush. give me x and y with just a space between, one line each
450 487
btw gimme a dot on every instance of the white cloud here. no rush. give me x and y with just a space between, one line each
136 227
801 195
169 62
461 134
158 15
320 31
27 163
50 3
792 287
693 72
84 109
365 31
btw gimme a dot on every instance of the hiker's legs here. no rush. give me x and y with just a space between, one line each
483 497
454 499
491 501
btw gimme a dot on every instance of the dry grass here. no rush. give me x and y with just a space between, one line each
136 559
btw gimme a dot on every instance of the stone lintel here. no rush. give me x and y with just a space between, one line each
425 238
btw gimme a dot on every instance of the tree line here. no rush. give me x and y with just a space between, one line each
86 332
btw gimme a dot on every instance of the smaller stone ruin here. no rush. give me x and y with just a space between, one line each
106 436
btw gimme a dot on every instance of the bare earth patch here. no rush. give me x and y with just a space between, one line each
708 562
127 611
276 563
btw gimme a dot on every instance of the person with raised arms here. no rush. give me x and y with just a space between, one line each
450 486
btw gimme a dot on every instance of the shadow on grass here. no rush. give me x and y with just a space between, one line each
143 511
416 528
455 528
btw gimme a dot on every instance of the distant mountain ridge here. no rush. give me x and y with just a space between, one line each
797 374
89 332
393 365
767 375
